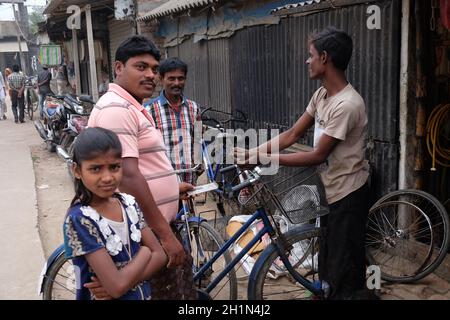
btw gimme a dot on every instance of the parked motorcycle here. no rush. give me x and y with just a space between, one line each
64 119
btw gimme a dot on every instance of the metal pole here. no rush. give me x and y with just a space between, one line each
76 61
406 115
92 66
22 59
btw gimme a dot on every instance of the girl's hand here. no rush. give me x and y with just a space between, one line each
96 289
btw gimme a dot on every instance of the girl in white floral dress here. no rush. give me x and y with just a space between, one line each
114 252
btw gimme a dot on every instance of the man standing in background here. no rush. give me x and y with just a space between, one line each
44 78
175 116
16 83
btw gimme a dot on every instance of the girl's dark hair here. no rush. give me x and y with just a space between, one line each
337 43
172 64
91 143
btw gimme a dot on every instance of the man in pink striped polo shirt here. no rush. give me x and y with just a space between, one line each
147 172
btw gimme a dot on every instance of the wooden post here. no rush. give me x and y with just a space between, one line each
76 61
420 99
92 66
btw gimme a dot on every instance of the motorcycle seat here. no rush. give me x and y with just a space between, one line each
71 99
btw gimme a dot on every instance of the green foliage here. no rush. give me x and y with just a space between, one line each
36 16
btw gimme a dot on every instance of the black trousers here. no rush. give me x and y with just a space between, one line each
175 283
17 102
342 249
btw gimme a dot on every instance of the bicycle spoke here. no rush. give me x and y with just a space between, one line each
61 285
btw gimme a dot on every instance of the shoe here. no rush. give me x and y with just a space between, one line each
16 121
22 121
4 117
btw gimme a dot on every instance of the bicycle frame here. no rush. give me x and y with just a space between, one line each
184 211
211 172
268 228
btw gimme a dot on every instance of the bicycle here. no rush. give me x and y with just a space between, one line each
408 235
287 267
57 280
214 159
203 241
30 97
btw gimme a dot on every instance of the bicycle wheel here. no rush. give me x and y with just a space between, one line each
439 222
272 281
399 240
35 103
59 283
205 242
29 107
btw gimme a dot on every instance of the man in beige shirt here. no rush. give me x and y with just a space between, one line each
339 115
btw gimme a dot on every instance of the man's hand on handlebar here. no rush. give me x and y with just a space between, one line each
249 159
184 188
246 159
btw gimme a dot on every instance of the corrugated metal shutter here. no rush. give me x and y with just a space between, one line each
119 30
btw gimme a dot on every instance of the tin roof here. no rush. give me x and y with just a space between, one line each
295 5
175 6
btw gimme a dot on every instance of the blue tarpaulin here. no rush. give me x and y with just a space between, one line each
223 22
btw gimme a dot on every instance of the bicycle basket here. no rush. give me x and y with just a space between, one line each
296 193
301 204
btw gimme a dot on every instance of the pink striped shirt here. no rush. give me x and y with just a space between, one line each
118 111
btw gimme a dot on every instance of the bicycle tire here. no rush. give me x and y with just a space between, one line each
35 103
29 107
260 285
69 163
440 224
199 233
63 291
396 237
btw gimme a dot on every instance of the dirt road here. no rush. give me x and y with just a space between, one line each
55 191
22 257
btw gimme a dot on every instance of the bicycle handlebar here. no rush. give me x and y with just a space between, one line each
193 169
222 123
254 176
229 168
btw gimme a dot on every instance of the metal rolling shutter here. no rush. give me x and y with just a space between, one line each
119 30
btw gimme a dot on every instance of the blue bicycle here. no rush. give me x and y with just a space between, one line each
286 206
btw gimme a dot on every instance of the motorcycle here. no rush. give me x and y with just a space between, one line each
65 117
